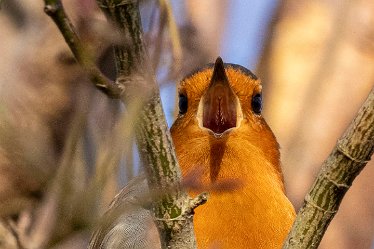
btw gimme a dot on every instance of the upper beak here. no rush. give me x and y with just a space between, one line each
219 103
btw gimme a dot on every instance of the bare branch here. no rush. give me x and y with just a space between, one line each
348 158
55 10
174 210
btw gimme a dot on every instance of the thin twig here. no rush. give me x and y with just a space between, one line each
55 10
174 35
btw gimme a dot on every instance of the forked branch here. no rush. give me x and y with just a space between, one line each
55 9
137 88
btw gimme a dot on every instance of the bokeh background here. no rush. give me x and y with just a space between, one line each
63 155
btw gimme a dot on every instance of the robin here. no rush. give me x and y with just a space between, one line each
225 147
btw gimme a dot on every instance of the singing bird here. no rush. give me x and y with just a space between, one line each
225 147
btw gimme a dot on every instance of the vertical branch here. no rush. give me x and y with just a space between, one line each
348 158
173 210
131 58
137 88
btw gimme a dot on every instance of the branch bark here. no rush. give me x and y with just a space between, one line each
173 211
137 88
348 158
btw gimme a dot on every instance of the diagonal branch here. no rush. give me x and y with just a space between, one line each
55 10
348 158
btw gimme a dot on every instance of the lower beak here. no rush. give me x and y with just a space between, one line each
219 103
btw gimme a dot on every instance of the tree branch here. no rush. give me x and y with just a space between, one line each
174 210
55 10
137 88
348 158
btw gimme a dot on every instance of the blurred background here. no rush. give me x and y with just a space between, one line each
64 152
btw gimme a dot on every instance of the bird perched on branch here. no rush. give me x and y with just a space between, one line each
225 147
221 139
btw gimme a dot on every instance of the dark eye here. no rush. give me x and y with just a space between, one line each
183 104
257 103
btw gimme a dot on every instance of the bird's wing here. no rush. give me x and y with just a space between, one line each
128 223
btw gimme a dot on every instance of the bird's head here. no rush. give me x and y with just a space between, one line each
220 103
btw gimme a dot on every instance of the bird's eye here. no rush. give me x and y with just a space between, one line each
183 104
257 103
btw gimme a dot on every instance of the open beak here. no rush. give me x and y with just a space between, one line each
219 105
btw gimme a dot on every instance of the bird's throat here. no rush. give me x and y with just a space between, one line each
217 150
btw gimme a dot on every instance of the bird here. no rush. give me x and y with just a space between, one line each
224 147
220 129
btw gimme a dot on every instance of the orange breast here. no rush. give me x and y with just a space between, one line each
253 213
242 219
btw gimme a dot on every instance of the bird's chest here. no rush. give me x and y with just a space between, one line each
243 219
246 207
